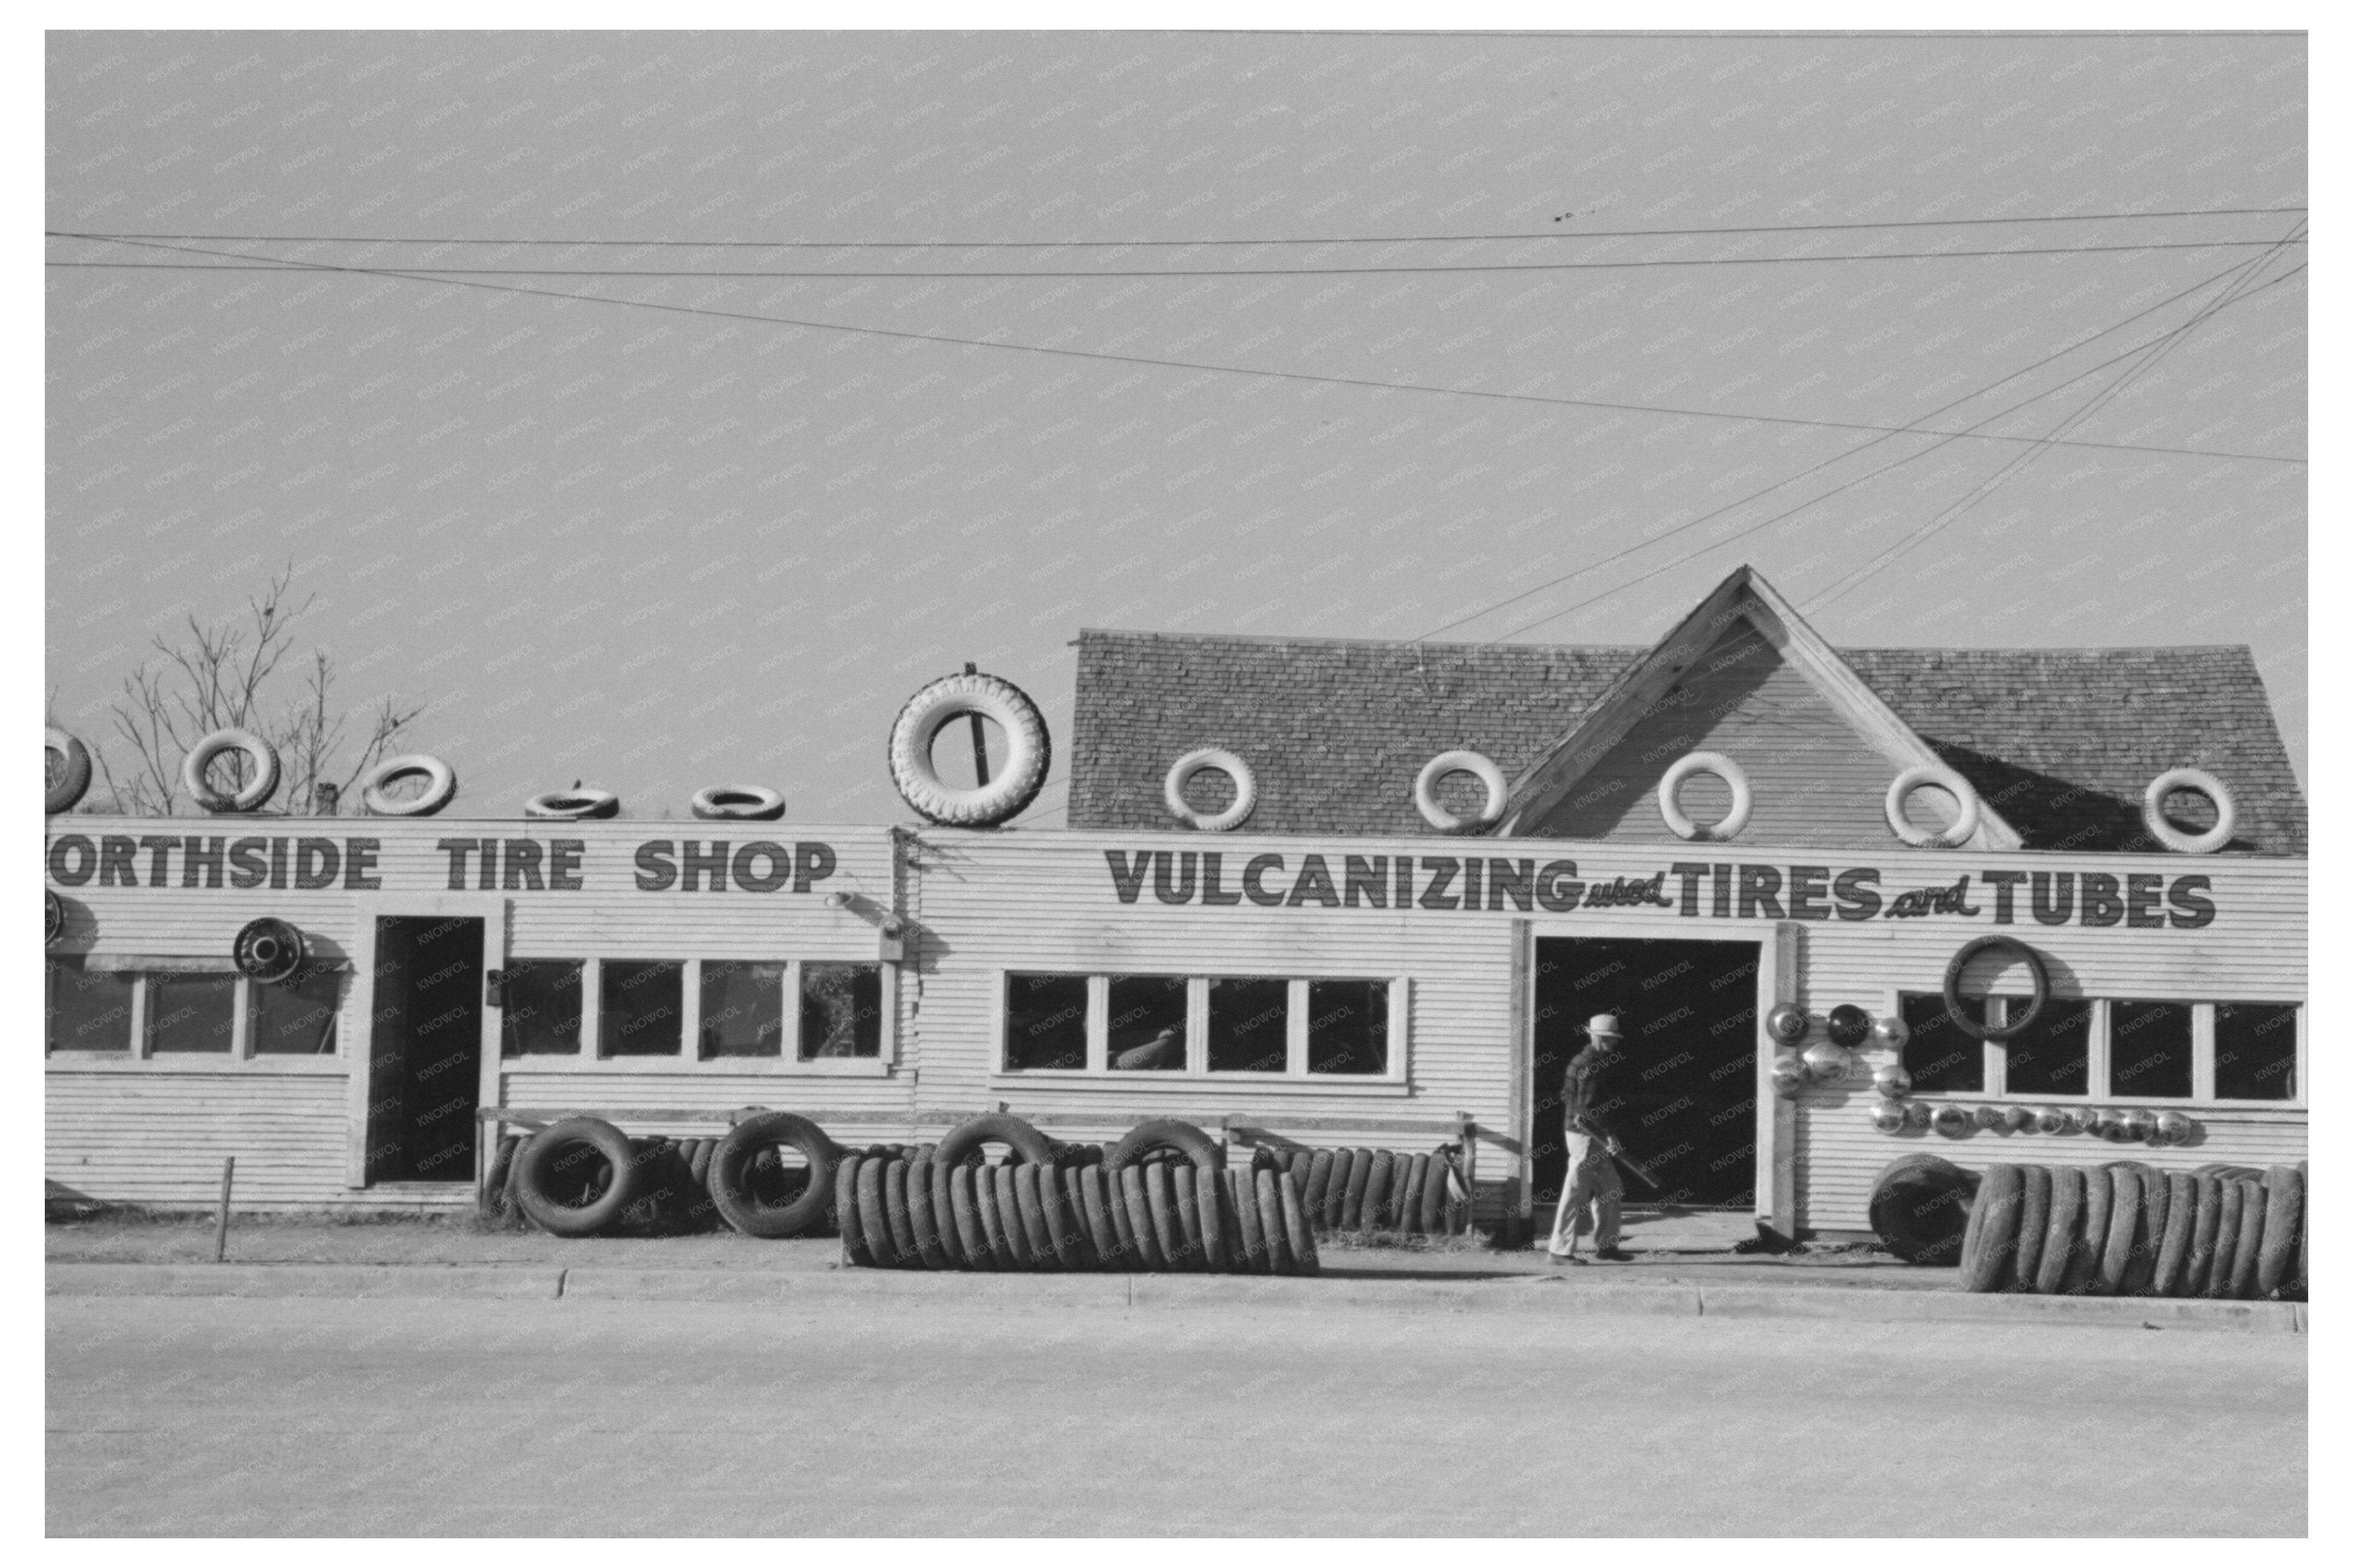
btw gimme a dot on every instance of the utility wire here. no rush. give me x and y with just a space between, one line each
2099 401
1917 427
1807 505
274 264
1102 357
1143 244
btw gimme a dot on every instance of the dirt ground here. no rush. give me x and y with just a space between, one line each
438 1240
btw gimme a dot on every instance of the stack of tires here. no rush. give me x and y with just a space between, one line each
1369 1191
2220 1232
1160 1200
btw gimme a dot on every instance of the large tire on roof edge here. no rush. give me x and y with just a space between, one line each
72 782
2283 1230
1029 751
546 1171
1205 1153
2062 1232
963 1140
729 1178
1990 1246
1920 1209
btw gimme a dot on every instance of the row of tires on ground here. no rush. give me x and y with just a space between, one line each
775 1174
2125 1228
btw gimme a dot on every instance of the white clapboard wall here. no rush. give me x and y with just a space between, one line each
979 905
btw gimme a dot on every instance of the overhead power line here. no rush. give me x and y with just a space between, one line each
275 264
1283 240
1917 427
1100 356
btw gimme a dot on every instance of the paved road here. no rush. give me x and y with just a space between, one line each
210 1416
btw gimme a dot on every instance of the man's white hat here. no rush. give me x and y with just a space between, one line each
1602 1026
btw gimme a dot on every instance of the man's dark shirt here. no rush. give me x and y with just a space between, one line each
1580 1091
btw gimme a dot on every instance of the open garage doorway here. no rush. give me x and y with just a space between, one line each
424 1049
1683 1096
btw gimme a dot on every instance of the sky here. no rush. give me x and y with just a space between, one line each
713 521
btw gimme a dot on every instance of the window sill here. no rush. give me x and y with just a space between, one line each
1183 1082
2096 1102
194 1065
695 1067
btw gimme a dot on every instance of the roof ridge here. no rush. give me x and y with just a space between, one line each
1269 639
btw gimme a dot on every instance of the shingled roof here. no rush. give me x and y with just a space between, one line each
2064 739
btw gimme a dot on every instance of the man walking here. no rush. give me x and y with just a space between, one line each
1592 1182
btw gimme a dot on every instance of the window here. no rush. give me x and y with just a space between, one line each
1250 1026
87 1010
2052 1055
841 1011
1347 1026
2254 1051
2149 1050
191 1013
1147 1020
298 1018
742 1009
640 1007
1045 1022
1205 1026
1941 1058
543 1008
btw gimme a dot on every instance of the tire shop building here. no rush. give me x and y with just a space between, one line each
1374 941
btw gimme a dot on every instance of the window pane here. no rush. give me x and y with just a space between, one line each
543 1007
191 1013
2054 1054
2254 1051
1045 1022
742 1009
2148 1050
1347 1026
841 1011
641 1003
298 1019
88 1011
1940 1058
1250 1026
1147 1024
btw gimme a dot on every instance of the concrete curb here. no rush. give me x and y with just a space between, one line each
1541 1295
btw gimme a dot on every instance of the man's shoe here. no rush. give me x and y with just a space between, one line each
1615 1254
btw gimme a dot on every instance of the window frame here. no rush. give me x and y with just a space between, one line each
688 1058
1196 1073
2098 1088
240 1057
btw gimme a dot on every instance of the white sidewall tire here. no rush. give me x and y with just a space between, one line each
573 805
73 776
1944 779
760 804
440 787
2152 810
1425 791
1735 778
254 795
1180 773
1029 751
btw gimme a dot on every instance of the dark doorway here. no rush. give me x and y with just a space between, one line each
1683 1095
426 1056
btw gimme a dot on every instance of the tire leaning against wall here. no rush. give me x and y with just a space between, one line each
1905 1188
965 1139
1204 1152
2276 1267
537 1166
730 1169
1991 1242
